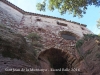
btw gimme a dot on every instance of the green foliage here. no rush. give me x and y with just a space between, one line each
85 38
79 43
75 7
41 7
4 27
35 42
98 34
98 24
34 37
89 36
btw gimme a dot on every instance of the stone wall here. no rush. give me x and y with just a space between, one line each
31 21
20 17
47 27
9 16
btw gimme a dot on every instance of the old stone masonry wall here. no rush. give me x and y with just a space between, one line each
9 16
47 27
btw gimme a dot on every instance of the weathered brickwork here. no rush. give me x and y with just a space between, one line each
47 27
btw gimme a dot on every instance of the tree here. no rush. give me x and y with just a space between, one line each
75 7
98 24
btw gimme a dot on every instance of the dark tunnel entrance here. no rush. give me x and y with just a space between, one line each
57 59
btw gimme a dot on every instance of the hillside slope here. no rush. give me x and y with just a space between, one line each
89 53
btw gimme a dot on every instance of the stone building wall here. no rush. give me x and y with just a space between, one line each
47 27
9 16
51 30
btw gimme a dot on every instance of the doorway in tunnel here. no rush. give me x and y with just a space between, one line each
57 59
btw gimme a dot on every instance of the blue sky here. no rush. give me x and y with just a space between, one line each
90 18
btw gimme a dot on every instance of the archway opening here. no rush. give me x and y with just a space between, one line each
58 60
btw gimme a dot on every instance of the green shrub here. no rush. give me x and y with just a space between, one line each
79 43
34 37
7 29
88 36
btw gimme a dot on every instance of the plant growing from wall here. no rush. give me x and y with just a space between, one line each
79 43
34 37
35 41
6 28
89 36
86 37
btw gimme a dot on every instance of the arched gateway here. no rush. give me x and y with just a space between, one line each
57 62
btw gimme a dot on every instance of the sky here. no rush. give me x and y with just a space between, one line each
90 18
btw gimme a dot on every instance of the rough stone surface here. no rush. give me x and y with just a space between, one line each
15 53
90 51
47 27
17 23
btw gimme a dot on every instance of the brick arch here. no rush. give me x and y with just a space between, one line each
58 59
